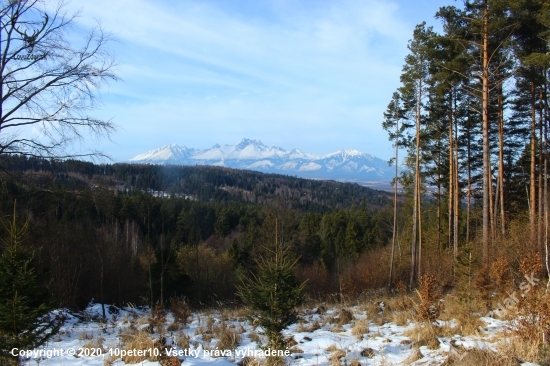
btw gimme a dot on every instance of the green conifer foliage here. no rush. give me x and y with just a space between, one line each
24 320
273 293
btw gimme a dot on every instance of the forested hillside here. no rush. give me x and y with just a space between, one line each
128 233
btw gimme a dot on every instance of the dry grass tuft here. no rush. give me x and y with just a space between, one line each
228 339
142 341
182 340
372 309
354 362
296 349
462 314
399 303
423 334
108 359
337 328
401 317
94 343
479 357
335 357
360 328
83 336
530 350
344 317
414 356
308 328
368 352
254 337
248 361
210 321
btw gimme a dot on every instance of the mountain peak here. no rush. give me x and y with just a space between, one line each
246 142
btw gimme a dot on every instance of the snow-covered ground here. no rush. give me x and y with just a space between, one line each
85 340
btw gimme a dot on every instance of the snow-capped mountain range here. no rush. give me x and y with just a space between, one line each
343 165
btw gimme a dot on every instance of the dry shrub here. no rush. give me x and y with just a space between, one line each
401 287
344 317
180 311
354 362
478 357
142 341
360 328
483 284
531 325
423 334
429 293
157 318
369 271
500 274
531 266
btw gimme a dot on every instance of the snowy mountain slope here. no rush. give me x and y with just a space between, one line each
344 165
169 154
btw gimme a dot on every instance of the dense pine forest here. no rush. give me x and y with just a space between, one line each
142 233
472 115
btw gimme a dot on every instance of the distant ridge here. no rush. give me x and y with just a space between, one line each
343 165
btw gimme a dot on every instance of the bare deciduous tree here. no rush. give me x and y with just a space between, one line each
47 83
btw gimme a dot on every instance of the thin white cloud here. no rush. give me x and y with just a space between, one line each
199 72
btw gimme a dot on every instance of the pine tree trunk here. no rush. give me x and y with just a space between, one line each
486 153
417 178
457 203
540 207
394 199
532 177
546 260
469 168
451 175
439 198
501 158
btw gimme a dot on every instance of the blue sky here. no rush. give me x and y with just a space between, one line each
316 75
